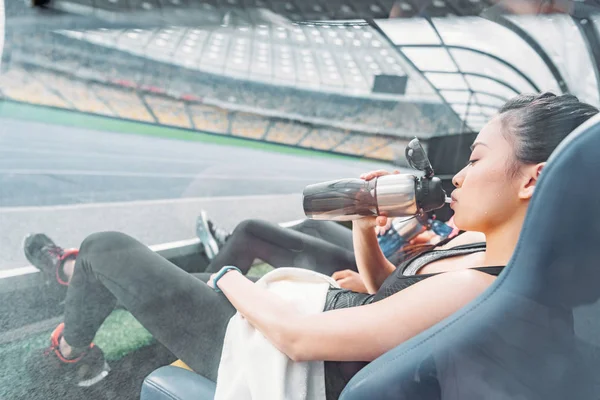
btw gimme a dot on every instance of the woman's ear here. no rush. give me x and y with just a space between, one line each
531 175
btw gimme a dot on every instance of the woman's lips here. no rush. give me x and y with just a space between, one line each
454 201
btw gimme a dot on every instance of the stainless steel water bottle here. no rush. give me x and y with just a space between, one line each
396 195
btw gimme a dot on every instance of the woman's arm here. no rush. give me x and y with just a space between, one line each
367 332
265 311
372 265
353 334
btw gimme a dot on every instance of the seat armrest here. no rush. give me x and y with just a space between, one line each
174 383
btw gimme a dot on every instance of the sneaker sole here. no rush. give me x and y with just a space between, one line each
92 381
211 247
27 255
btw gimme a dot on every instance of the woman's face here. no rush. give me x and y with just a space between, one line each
486 194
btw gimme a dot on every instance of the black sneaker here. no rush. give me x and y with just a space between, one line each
220 234
212 238
84 371
44 254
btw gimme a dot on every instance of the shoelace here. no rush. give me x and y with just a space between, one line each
218 233
48 252
53 250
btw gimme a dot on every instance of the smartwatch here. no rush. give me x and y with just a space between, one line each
222 272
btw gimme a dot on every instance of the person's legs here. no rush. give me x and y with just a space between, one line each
328 231
280 247
180 311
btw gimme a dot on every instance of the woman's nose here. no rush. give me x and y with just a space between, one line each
457 180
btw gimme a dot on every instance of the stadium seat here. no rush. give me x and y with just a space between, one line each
168 112
533 334
249 125
175 383
287 133
324 139
210 119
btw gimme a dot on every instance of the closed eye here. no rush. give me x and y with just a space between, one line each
471 162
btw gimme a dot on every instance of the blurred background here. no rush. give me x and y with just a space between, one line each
135 115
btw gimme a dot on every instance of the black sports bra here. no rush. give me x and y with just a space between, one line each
398 281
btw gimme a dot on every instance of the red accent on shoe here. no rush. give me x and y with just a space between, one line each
67 253
54 346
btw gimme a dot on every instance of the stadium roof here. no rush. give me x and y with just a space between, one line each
339 58
476 64
473 64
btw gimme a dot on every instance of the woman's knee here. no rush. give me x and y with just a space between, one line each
246 227
104 243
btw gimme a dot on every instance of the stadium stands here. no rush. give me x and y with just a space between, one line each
209 118
287 132
361 144
75 74
392 152
80 95
249 126
123 102
60 90
324 139
18 84
72 54
169 112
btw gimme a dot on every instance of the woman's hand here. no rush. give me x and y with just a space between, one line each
350 280
370 223
381 230
380 223
367 176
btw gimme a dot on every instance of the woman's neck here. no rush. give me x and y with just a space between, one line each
501 243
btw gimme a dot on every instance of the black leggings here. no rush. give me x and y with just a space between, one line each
180 311
321 246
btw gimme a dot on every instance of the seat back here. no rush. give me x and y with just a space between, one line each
535 333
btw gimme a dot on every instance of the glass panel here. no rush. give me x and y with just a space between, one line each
478 33
484 98
563 42
447 81
409 31
456 97
473 109
480 84
430 59
469 61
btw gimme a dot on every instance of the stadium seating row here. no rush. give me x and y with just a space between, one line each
45 87
249 125
210 119
19 85
168 112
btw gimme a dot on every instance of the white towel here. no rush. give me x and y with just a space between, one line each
252 368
